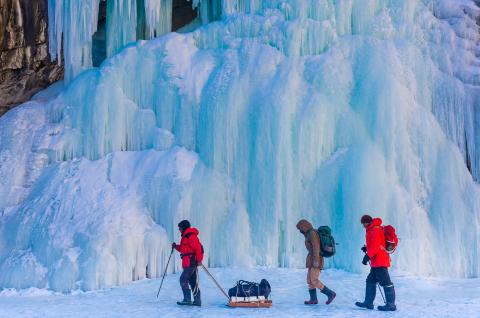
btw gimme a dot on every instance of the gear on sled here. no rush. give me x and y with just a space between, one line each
250 294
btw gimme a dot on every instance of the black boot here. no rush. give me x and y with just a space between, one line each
390 298
196 299
370 292
313 297
187 298
329 293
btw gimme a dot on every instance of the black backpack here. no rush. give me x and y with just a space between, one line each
250 289
327 242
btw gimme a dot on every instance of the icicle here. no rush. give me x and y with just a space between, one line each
209 10
158 17
72 23
121 24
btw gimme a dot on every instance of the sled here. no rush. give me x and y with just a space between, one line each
250 302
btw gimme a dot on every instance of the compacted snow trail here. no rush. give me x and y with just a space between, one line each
417 297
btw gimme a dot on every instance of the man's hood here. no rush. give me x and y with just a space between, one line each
375 222
304 226
190 230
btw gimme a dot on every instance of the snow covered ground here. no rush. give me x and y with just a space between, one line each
417 297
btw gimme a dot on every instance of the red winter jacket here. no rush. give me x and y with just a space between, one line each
190 248
376 244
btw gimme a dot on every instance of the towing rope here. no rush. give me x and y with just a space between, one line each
215 281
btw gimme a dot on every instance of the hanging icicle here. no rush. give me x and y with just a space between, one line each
72 24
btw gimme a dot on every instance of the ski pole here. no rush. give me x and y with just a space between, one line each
215 281
379 289
381 293
164 273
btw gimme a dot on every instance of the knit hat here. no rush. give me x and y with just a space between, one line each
184 225
366 219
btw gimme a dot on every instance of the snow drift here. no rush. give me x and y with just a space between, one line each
280 110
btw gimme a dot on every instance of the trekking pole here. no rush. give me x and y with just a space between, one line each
164 273
381 293
379 289
215 281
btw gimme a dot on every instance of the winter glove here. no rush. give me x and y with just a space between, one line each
174 245
366 259
364 248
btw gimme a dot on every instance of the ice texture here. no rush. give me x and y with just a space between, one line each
280 110
72 24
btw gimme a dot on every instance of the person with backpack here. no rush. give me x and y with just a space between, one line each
314 263
376 254
191 252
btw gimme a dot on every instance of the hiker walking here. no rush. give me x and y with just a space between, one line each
314 263
376 254
191 252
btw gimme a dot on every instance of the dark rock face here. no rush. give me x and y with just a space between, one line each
25 66
183 13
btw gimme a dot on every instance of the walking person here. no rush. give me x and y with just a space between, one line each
377 256
314 263
191 252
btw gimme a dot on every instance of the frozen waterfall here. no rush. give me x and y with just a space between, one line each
276 111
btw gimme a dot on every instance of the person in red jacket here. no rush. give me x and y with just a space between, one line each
379 259
191 252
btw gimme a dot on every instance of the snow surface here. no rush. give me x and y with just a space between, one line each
416 297
323 110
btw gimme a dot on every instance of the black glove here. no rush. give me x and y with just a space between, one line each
364 248
174 245
366 259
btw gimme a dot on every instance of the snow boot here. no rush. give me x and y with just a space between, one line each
196 299
329 293
313 297
390 298
370 292
187 298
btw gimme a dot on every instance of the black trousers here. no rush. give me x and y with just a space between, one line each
189 277
379 275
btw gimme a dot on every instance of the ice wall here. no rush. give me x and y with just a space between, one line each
74 23
281 110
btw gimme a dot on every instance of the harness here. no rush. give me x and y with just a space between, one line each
187 254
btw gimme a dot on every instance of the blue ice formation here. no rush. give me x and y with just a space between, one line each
276 111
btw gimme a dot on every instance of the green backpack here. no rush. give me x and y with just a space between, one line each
327 242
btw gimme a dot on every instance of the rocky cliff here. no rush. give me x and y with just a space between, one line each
25 66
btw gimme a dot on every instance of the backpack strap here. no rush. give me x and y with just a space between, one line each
383 248
309 236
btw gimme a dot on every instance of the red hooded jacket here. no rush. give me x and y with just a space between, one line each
376 244
191 251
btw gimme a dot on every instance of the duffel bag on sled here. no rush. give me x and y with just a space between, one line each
250 294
